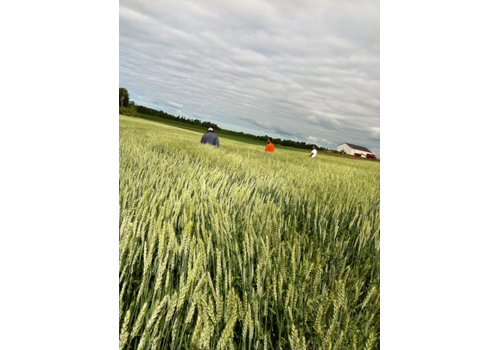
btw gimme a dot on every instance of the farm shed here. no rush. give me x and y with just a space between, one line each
354 150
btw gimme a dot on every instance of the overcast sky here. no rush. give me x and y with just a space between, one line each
300 70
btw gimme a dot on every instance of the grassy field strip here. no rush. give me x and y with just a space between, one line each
233 248
221 133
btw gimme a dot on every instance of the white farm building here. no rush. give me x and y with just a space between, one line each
354 150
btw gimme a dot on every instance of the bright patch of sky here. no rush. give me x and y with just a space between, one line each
300 70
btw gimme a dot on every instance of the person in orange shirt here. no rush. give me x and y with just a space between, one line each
270 146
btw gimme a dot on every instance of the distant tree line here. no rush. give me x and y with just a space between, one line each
130 108
164 115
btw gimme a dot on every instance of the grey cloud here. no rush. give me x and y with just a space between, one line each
175 105
324 121
375 133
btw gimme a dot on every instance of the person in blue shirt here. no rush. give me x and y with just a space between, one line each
210 138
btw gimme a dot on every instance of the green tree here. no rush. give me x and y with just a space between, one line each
123 97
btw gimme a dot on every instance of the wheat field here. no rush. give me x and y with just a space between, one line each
233 248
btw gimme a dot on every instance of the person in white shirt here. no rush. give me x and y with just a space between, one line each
314 152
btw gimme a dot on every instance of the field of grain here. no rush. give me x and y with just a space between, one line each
233 248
